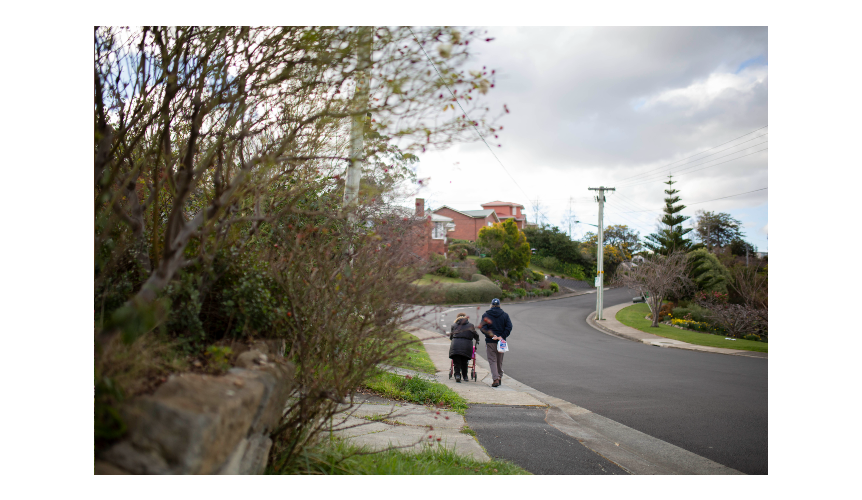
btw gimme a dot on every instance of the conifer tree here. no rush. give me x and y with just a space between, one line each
670 238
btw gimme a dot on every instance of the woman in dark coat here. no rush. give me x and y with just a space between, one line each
461 351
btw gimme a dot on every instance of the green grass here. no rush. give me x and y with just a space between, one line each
416 390
382 418
634 316
430 279
413 356
546 272
339 458
467 430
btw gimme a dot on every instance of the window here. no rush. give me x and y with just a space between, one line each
490 223
513 210
439 231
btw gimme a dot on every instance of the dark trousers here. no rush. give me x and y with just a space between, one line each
460 365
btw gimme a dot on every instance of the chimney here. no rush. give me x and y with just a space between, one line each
420 207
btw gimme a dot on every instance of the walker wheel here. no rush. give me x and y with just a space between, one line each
473 375
450 372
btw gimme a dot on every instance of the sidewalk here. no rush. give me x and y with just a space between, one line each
379 423
611 326
632 450
510 391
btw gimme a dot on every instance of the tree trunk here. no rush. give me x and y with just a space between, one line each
656 306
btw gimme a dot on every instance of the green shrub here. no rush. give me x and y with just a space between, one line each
555 287
550 263
693 312
486 266
520 292
467 248
447 272
751 336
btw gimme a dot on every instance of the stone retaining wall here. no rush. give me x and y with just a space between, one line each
203 424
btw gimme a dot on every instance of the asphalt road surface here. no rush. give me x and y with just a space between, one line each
521 435
713 405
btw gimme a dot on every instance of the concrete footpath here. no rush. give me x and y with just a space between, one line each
611 326
631 450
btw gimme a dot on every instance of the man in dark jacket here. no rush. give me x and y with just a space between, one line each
495 325
461 351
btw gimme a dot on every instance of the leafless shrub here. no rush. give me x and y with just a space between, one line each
344 298
737 320
657 277
753 287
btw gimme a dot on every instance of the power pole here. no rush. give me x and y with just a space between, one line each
357 126
600 278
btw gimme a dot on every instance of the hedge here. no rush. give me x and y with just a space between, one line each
479 289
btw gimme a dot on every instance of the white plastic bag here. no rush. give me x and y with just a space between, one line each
502 346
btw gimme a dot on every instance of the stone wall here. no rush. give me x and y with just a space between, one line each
203 424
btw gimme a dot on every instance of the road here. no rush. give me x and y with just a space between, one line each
710 404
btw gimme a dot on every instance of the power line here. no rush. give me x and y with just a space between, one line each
731 196
692 156
706 201
644 176
472 123
704 168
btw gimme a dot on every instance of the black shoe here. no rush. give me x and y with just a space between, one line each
496 383
457 379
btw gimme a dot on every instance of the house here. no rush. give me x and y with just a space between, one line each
508 210
434 237
467 223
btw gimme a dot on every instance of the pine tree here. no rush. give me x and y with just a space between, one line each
670 238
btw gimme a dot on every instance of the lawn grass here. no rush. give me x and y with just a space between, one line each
634 316
340 458
413 356
546 272
430 279
416 390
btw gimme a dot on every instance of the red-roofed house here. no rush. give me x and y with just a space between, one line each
508 210
467 222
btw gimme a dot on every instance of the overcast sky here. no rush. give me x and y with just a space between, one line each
600 106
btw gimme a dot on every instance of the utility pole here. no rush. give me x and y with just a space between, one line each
600 278
357 126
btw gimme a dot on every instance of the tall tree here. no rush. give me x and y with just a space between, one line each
507 244
552 242
716 230
671 237
619 236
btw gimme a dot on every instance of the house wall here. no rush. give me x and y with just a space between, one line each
466 228
505 212
424 245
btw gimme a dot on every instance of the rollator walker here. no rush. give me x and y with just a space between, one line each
472 369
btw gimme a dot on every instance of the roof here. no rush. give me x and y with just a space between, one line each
502 204
440 218
476 214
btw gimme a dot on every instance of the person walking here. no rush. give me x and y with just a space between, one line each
495 325
461 350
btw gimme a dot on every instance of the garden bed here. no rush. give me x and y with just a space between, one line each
634 316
